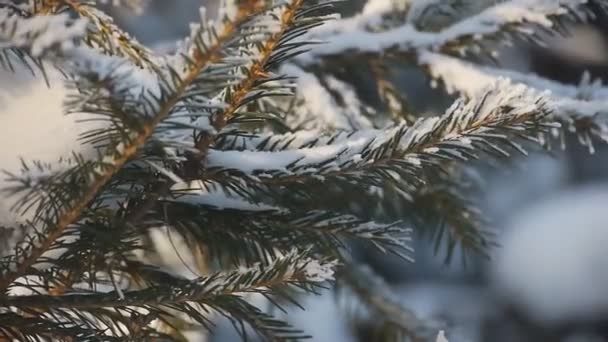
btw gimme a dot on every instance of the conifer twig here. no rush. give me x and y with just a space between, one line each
487 120
106 35
255 72
294 268
201 60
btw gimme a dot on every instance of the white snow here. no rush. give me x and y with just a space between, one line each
251 162
86 61
318 272
135 5
27 286
588 99
501 92
39 33
441 337
406 37
553 262
34 127
370 16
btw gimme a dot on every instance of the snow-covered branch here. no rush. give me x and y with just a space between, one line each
39 34
484 120
519 18
581 108
221 292
292 268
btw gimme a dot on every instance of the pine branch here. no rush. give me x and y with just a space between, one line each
228 224
180 151
484 123
38 35
102 33
503 22
219 291
94 325
445 214
269 54
122 152
500 21
580 109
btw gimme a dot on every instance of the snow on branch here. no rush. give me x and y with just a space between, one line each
221 292
295 268
101 32
371 16
104 35
517 17
240 141
277 37
135 114
41 33
213 195
482 123
582 108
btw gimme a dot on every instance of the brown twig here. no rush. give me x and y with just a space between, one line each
255 73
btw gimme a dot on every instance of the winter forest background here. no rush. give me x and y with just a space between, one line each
548 280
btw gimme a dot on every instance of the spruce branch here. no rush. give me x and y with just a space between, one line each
38 35
502 21
180 151
220 291
580 109
243 224
102 33
292 269
122 153
445 214
484 123
257 71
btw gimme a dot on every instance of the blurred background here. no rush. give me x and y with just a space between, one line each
548 279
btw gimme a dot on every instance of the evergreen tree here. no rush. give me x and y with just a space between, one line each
258 149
